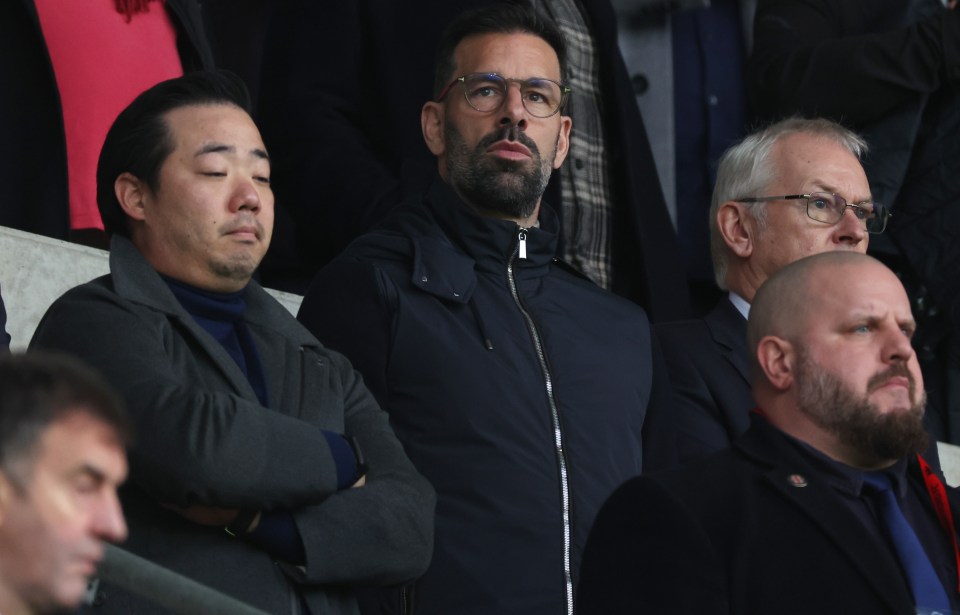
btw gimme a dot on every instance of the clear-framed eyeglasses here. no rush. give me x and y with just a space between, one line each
829 208
486 92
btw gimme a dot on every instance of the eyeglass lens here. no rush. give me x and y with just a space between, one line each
830 208
487 91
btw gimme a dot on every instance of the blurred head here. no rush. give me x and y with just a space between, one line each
185 175
62 439
834 365
497 125
752 240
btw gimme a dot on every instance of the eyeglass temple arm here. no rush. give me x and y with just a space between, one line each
761 199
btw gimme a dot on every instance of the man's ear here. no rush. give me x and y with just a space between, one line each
737 227
131 193
777 360
6 492
563 141
431 122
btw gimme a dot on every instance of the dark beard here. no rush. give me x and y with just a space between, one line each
508 187
876 437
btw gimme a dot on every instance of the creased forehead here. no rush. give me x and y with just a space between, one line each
518 55
785 302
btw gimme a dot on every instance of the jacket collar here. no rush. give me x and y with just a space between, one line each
451 243
491 242
134 279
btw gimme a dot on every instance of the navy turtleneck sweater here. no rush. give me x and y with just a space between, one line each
221 315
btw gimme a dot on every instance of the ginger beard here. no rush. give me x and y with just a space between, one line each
856 421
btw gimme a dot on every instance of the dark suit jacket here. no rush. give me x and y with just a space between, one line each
708 364
342 89
739 533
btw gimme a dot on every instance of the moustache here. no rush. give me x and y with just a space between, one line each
894 371
509 133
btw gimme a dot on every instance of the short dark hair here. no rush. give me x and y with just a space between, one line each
500 18
139 140
40 388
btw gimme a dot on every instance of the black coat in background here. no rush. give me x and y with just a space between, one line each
740 533
33 156
342 89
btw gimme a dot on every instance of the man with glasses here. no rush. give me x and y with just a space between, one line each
520 389
793 189
342 82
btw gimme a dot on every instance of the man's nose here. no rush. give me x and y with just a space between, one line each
897 347
245 196
513 112
108 521
850 229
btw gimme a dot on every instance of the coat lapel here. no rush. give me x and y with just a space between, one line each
136 280
728 328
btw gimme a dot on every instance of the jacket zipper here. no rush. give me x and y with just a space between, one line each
558 439
406 606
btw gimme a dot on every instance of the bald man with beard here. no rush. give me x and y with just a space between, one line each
788 520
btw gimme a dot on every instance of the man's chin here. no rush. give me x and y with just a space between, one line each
67 597
238 267
508 181
887 402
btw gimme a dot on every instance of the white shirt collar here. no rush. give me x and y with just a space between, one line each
741 304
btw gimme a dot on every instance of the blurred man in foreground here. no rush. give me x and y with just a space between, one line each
62 440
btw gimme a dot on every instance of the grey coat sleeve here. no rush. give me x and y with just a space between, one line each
388 521
194 444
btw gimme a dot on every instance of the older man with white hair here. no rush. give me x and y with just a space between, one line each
793 189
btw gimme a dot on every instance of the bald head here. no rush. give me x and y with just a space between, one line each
786 302
833 361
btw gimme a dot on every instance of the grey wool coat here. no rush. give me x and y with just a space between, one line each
203 438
